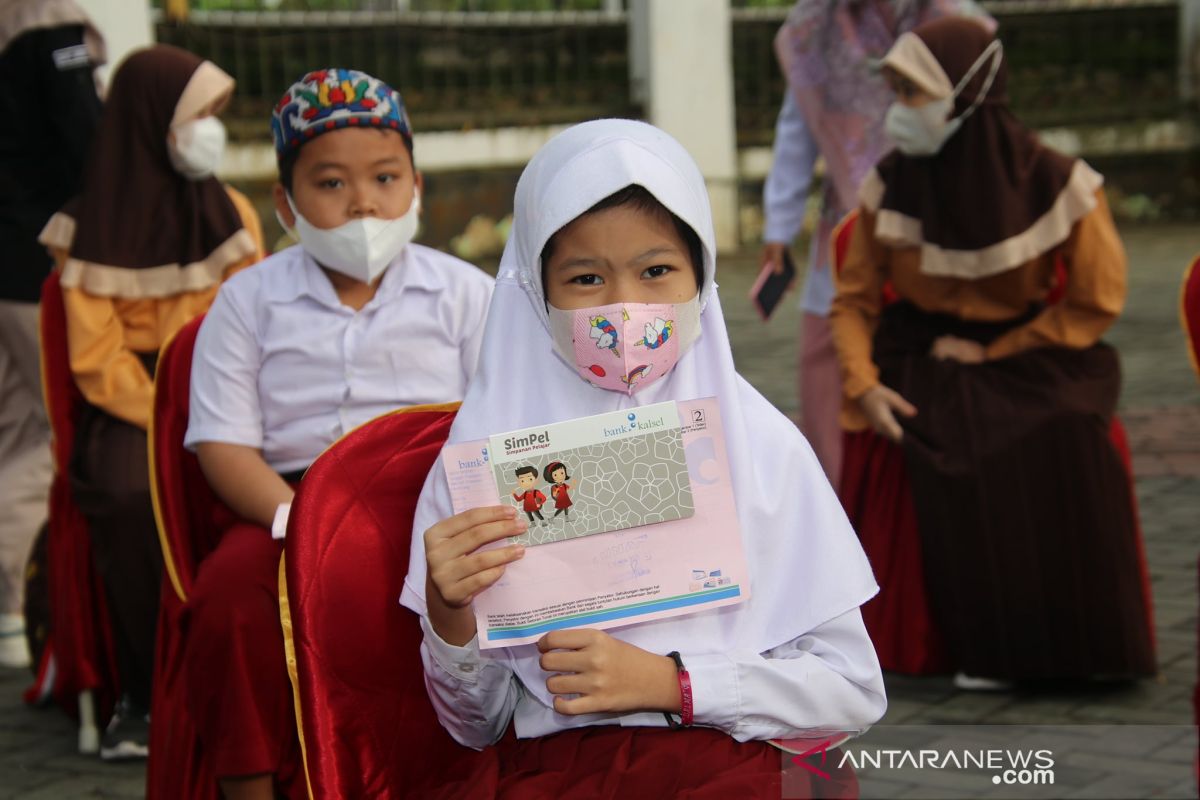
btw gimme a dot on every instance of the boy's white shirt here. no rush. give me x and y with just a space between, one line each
281 365
795 657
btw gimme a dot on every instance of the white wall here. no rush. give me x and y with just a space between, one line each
125 25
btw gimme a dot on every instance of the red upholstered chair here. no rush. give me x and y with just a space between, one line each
1189 311
367 728
78 666
189 519
1189 316
877 499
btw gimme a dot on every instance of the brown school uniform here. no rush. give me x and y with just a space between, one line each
1028 535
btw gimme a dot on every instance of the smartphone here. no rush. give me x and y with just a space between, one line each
770 286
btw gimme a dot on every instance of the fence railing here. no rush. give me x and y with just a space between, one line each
456 70
1071 62
514 64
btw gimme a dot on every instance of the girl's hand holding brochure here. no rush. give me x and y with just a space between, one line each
588 670
592 673
459 570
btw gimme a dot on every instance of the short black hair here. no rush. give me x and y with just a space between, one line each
287 164
527 471
639 198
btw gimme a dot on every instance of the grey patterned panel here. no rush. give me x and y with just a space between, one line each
635 480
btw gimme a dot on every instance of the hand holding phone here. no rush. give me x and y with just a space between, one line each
770 286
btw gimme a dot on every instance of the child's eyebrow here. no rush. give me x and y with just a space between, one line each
655 253
581 261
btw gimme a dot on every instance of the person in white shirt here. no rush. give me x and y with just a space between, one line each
615 211
833 108
315 340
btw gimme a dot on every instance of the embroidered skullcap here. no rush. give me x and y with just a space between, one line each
331 99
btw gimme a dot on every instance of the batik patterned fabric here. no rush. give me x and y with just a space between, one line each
330 99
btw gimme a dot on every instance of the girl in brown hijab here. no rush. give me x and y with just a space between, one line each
1000 399
141 251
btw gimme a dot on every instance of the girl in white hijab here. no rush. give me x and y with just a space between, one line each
608 212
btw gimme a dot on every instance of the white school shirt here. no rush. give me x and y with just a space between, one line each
826 681
785 194
283 366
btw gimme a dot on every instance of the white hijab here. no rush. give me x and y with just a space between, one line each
806 566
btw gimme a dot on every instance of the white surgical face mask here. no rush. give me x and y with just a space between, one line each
197 147
361 248
922 130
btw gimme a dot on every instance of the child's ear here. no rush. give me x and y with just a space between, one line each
279 195
419 182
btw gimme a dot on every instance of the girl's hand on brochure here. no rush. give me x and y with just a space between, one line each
591 672
457 570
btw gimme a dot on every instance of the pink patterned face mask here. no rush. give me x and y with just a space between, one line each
625 347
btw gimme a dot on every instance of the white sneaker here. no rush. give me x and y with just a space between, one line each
14 648
970 683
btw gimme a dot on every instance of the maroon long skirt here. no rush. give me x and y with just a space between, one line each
235 669
1029 540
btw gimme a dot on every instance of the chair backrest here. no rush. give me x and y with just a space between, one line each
367 728
62 396
1189 311
841 238
188 517
841 246
185 507
80 633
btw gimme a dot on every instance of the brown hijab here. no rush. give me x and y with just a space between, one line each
139 228
993 198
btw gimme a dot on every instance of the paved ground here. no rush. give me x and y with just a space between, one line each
1161 408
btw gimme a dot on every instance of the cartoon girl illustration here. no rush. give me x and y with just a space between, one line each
556 475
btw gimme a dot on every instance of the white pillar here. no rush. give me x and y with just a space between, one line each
124 24
1189 50
681 68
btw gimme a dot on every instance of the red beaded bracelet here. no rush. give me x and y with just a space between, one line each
685 694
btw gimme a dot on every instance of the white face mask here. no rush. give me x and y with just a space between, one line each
197 147
922 130
361 248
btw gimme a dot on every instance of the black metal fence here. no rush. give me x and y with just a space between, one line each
481 64
456 71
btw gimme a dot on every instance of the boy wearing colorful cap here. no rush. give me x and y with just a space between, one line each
353 322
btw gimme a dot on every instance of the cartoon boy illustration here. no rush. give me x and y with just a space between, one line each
532 500
556 475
